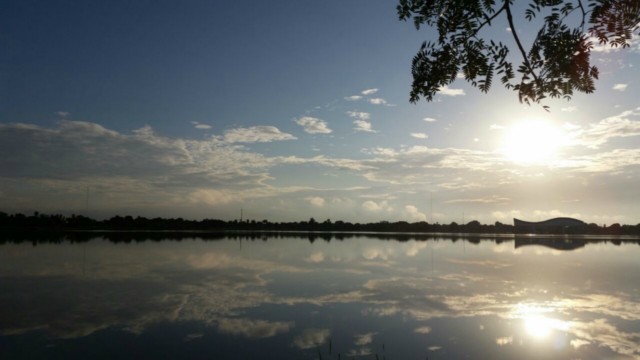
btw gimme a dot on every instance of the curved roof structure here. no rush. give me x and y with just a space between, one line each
560 225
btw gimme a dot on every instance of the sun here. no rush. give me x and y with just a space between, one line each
532 142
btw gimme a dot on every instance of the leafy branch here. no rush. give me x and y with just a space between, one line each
556 64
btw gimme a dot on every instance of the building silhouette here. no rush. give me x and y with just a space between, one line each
560 225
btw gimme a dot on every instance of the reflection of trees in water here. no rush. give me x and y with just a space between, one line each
570 242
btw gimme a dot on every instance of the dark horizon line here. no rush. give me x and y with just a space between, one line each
47 222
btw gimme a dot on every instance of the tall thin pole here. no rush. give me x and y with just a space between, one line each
86 202
431 207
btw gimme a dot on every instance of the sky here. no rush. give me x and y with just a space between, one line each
290 110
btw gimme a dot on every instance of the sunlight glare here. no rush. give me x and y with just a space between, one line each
537 326
536 323
532 142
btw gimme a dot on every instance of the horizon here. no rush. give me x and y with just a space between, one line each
312 220
203 109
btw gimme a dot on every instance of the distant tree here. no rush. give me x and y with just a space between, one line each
556 63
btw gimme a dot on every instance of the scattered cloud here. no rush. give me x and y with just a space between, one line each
256 134
313 125
370 205
369 91
362 122
625 124
201 126
353 98
414 214
363 125
63 114
429 119
569 109
378 101
316 201
422 330
447 91
620 87
484 200
577 343
496 127
419 135
359 115
634 46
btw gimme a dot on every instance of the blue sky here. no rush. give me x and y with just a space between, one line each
290 110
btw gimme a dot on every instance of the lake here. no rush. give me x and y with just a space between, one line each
321 296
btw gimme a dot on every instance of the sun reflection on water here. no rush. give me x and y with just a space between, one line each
537 321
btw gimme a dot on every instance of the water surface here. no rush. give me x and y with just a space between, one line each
275 297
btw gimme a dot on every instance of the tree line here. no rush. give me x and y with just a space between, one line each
57 222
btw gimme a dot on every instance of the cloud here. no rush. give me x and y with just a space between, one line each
361 122
140 169
353 98
212 197
496 127
316 201
620 87
484 200
363 125
313 125
634 46
378 101
63 114
419 135
202 126
373 206
256 134
569 109
414 214
445 90
625 124
369 91
360 115
422 330
429 119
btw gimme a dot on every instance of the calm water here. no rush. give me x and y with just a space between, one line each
289 298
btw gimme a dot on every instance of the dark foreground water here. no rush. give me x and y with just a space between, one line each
289 298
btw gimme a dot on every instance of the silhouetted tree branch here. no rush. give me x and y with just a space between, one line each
556 65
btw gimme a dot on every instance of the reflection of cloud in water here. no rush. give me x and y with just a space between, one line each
316 257
216 260
422 330
502 341
364 339
485 263
604 334
577 343
310 338
253 329
414 248
217 287
373 253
